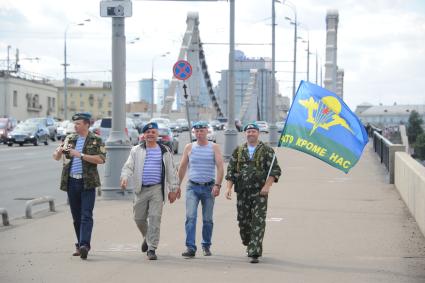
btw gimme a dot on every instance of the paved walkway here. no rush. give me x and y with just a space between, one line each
323 226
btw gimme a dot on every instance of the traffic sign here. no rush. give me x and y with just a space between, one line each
182 70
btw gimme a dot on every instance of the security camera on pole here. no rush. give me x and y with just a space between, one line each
118 144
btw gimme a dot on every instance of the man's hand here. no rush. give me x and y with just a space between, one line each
229 193
74 152
123 184
265 190
216 191
172 196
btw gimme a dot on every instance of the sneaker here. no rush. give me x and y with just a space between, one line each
84 251
189 253
206 251
254 259
151 255
144 246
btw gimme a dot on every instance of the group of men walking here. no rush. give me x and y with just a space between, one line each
252 169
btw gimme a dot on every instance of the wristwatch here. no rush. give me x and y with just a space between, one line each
82 155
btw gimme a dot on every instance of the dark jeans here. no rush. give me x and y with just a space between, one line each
81 203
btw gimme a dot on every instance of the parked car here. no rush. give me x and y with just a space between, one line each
34 133
6 126
65 128
175 127
263 126
130 130
184 125
48 122
164 121
280 126
166 137
211 136
217 125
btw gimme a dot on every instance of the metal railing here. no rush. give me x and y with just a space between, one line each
4 216
31 203
386 151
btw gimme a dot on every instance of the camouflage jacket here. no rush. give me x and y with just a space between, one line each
92 146
249 174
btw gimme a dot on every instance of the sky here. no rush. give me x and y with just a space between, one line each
381 43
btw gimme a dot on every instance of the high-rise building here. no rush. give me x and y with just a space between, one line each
145 90
334 79
252 88
161 93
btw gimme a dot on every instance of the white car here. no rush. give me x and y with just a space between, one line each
263 126
164 121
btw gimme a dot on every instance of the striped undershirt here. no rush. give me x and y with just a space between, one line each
202 163
152 168
77 164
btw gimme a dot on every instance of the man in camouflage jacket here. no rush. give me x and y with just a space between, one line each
248 171
81 152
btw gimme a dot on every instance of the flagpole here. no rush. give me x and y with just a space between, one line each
271 165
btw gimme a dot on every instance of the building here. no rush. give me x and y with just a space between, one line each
85 96
253 81
161 93
23 98
145 90
388 115
334 77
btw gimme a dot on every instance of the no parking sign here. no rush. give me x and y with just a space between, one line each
182 70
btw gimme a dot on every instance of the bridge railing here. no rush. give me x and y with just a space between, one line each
386 151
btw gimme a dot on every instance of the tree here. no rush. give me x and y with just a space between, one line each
419 147
414 127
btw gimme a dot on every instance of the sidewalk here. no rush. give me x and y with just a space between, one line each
323 226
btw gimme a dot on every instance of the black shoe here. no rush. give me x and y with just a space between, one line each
84 251
189 253
151 255
254 259
144 246
206 251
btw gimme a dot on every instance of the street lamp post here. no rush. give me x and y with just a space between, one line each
295 23
153 81
272 127
65 65
231 135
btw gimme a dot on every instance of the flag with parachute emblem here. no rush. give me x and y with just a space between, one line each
319 123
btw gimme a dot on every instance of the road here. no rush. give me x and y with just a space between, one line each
29 172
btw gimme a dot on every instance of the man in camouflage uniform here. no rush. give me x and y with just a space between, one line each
248 171
81 152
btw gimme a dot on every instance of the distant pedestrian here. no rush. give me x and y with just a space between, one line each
81 152
151 167
202 158
248 171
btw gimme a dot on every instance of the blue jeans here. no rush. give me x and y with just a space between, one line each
194 194
81 203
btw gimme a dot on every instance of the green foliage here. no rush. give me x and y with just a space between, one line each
419 147
414 128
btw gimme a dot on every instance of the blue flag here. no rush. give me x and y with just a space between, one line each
319 123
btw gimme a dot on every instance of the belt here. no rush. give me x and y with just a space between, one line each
76 176
203 184
151 185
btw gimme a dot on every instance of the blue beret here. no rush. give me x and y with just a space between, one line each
200 125
81 116
148 126
251 126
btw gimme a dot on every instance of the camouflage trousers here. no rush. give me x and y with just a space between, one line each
252 212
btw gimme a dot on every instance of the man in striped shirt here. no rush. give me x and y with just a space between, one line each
202 158
151 167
